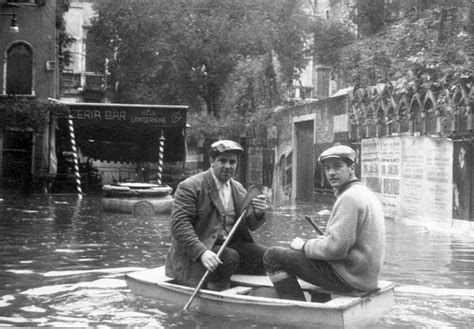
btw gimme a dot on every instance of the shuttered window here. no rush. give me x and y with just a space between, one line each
19 70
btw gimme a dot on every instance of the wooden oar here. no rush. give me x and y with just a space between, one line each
313 224
253 192
226 242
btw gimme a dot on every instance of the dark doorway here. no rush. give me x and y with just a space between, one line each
463 181
17 159
304 160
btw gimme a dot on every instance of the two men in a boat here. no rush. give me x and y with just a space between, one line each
205 208
348 257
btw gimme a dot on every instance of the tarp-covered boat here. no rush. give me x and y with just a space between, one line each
245 299
139 199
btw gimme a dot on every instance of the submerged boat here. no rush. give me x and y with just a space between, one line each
253 297
139 199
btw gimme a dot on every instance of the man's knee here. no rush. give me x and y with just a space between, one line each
273 252
230 256
272 256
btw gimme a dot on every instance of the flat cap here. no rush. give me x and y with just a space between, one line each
338 151
226 145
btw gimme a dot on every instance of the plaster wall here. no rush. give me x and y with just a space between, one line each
326 133
37 27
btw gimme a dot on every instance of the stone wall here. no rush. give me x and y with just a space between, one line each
330 126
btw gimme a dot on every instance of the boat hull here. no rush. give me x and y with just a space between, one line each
242 302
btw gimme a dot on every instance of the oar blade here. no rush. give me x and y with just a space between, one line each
252 193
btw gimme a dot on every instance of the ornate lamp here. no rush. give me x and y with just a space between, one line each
14 22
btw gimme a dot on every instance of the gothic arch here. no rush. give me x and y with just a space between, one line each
380 119
416 114
403 114
430 111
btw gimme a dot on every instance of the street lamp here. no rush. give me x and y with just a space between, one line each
14 22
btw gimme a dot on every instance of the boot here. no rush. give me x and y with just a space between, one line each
286 285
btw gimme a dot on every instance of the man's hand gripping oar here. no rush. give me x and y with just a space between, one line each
253 192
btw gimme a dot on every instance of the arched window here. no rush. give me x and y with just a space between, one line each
19 77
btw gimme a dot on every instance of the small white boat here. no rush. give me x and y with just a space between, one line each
246 300
139 199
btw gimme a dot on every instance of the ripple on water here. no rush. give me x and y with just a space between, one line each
429 312
435 292
33 309
119 270
6 300
59 288
12 320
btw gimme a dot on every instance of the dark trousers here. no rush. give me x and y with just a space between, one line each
317 272
240 257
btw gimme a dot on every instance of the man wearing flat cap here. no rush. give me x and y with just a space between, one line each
350 254
205 208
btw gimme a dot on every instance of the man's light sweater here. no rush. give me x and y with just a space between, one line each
354 242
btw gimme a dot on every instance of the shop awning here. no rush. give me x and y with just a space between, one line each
129 132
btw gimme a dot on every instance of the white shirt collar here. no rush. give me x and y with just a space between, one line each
220 184
225 192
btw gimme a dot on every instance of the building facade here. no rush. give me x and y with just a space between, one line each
78 82
414 149
29 76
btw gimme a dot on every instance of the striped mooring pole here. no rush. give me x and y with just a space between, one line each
160 158
200 155
77 174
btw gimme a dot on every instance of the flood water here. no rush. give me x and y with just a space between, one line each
63 261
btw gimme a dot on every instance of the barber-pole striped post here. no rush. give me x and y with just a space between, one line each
160 158
77 175
200 154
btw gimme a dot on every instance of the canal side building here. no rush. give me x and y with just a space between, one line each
78 82
51 146
414 148
29 34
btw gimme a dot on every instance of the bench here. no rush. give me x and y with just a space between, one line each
237 290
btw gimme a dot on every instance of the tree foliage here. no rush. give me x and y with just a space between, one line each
251 92
427 44
189 52
369 16
330 38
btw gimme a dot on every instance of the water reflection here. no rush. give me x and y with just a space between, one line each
63 262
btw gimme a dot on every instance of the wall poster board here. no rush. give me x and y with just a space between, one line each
411 175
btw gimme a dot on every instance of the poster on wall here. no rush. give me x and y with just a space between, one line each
411 175
427 178
380 171
412 172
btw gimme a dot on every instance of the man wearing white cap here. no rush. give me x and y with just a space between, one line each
350 254
205 208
